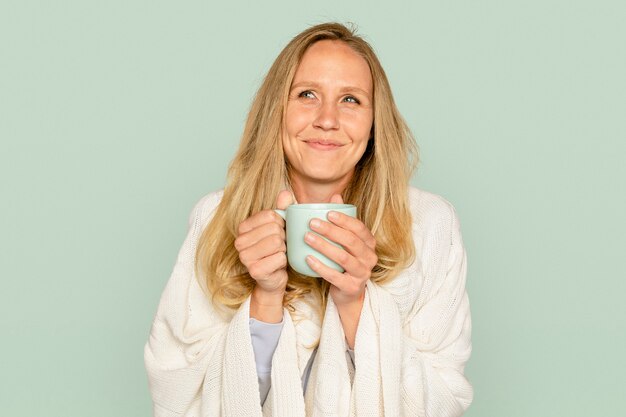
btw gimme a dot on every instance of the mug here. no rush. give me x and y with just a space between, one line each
297 218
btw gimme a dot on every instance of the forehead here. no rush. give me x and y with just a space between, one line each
334 62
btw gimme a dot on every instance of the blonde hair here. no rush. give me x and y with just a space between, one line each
379 186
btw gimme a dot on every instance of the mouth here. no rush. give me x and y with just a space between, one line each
321 144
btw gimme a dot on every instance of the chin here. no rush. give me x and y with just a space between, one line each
323 176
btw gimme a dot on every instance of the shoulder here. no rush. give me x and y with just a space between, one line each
430 210
435 231
204 208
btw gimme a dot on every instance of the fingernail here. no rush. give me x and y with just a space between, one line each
309 237
311 259
333 215
315 223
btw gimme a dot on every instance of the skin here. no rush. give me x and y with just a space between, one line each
330 99
327 126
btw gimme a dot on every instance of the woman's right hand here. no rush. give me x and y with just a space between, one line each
262 249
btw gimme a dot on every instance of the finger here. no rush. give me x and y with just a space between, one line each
244 241
334 277
336 198
258 219
284 199
265 247
350 242
350 263
264 268
354 225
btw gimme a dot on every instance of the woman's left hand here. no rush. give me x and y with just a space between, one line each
358 256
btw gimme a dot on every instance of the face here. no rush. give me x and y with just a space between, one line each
329 114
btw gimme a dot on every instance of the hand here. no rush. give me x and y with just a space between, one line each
262 249
358 256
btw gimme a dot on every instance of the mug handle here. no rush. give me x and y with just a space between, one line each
281 213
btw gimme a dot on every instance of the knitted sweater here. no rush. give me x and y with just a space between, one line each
265 338
411 347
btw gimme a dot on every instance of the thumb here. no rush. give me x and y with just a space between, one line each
284 199
336 198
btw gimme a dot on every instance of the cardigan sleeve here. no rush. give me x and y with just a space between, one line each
189 371
437 331
185 334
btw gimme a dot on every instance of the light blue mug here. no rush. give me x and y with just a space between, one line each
297 218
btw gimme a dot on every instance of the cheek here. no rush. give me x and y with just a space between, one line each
360 128
289 140
295 121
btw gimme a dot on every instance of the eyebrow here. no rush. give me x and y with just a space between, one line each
317 85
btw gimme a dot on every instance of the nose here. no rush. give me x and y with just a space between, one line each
327 117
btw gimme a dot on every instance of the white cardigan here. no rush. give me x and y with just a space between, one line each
411 346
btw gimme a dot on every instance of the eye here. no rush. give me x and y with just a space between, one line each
307 94
352 99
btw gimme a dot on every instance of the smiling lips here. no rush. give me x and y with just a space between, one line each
324 145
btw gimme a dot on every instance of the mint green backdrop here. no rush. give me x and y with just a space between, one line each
117 116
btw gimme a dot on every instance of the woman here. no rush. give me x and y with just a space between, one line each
239 333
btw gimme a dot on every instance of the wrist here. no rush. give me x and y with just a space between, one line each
266 306
350 314
350 303
267 298
350 311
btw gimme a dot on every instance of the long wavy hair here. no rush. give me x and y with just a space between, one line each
259 171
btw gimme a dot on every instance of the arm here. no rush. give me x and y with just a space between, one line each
197 358
437 340
357 255
185 334
349 313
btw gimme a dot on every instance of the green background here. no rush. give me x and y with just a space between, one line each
117 116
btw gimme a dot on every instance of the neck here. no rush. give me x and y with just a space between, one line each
315 192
